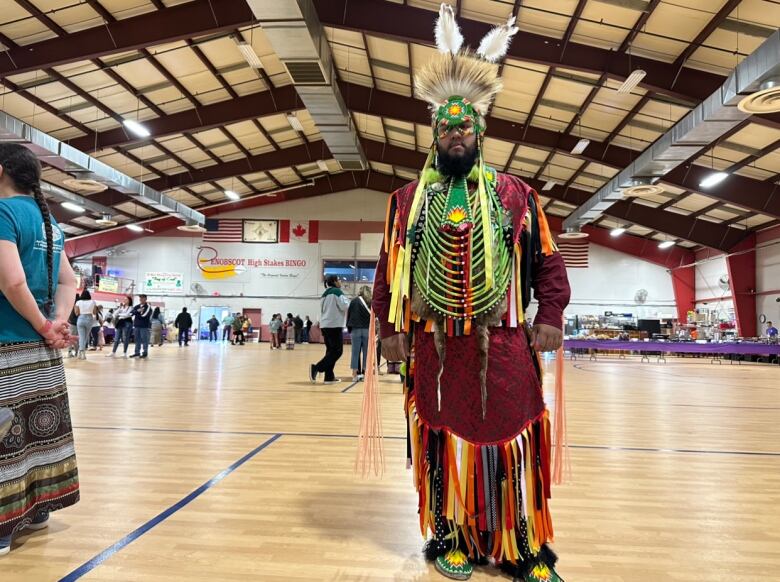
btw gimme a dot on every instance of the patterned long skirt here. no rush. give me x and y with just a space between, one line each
38 470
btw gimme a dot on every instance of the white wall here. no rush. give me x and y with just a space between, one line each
707 287
768 279
611 281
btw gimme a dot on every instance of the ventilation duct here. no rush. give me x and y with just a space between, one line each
62 195
81 166
298 39
711 119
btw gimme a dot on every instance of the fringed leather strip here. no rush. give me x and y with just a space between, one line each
501 489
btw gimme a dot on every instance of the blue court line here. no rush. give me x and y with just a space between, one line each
131 537
403 438
350 386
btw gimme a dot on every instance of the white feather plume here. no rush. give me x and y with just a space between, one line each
495 44
448 36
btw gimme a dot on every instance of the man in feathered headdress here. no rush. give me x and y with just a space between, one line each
464 246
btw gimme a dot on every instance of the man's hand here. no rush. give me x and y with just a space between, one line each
546 338
395 348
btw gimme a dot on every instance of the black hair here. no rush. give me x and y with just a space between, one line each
331 280
85 295
156 312
24 170
184 309
129 300
453 165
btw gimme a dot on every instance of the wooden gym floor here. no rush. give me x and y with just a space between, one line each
219 463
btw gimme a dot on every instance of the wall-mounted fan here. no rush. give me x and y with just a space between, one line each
724 283
640 296
198 289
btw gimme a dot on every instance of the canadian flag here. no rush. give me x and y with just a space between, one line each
299 231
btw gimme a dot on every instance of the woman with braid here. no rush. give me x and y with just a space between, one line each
38 471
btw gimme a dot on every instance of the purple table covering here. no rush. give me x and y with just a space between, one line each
744 348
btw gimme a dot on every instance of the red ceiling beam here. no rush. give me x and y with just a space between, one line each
704 34
752 194
292 156
192 19
636 29
281 100
379 17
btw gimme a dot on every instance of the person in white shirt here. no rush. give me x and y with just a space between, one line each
123 324
85 310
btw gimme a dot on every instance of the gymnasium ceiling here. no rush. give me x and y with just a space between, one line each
77 68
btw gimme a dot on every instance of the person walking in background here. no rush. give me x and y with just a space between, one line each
227 327
307 329
333 312
142 315
213 327
298 329
184 323
38 470
289 332
274 326
358 322
123 325
85 310
157 323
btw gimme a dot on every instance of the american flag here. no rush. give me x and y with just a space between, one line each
574 253
226 230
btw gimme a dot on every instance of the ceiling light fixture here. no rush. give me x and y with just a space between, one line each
615 232
548 185
713 179
323 166
232 195
72 207
135 228
136 128
580 147
666 244
295 123
632 81
249 54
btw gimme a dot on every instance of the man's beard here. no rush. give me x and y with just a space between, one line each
456 166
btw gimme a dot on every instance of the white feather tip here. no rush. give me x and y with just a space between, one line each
448 36
495 44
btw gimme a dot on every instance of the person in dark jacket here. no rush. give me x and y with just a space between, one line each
358 322
298 324
213 327
184 323
307 329
142 316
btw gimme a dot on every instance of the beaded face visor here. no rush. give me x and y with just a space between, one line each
457 112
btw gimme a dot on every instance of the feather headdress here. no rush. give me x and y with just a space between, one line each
456 72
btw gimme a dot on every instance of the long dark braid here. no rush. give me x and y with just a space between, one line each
24 169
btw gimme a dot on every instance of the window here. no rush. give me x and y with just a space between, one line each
352 273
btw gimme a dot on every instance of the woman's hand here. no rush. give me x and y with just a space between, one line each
56 334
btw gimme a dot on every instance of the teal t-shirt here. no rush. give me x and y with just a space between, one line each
22 224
